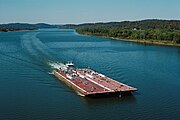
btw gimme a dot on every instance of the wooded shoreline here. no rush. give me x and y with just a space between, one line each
152 31
145 42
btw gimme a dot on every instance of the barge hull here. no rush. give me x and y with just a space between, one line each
82 90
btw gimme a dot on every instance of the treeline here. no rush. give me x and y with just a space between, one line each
140 30
23 26
16 27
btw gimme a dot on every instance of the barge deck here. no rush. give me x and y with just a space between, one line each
87 82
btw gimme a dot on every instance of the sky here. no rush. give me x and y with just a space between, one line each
86 11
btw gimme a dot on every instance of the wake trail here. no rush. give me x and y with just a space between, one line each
37 49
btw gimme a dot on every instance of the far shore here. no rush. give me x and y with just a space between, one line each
18 30
145 42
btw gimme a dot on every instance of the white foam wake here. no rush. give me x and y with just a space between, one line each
56 65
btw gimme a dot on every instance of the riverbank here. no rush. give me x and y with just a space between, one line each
18 30
145 42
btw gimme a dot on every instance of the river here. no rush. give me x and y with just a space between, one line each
28 92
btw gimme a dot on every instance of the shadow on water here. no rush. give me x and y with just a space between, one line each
108 100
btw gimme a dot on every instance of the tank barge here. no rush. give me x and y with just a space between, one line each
87 82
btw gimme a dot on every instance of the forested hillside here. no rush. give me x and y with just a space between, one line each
23 26
168 30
